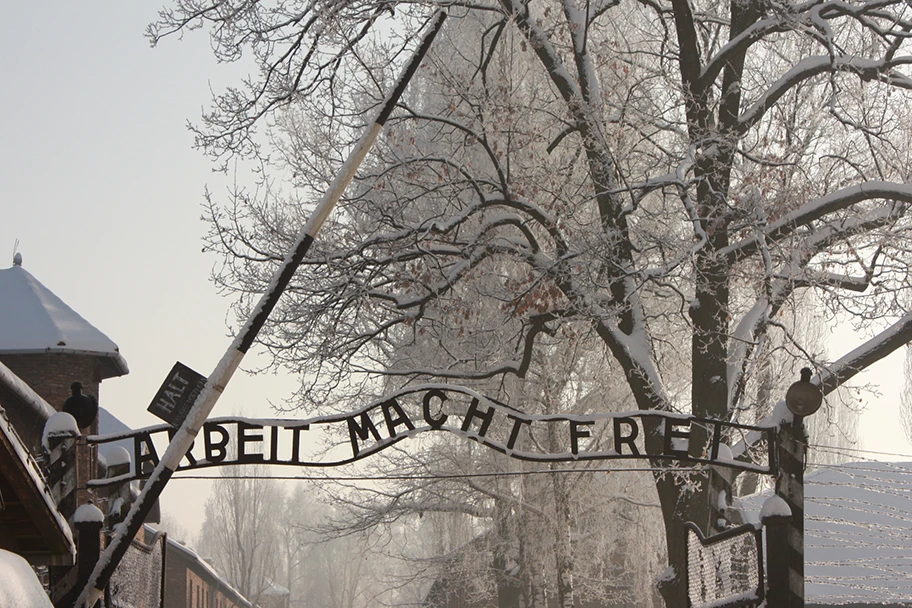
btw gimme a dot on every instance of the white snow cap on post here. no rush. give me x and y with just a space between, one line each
774 506
59 424
88 513
117 456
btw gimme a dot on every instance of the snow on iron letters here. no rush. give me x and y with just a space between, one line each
459 410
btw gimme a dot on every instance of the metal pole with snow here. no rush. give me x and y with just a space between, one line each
232 358
803 399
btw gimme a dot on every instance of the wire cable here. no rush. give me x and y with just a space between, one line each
858 450
432 477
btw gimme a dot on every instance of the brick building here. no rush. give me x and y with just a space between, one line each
45 347
49 346
193 582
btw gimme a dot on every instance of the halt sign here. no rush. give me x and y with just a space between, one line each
174 399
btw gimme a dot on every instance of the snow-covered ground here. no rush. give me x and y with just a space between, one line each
20 587
858 532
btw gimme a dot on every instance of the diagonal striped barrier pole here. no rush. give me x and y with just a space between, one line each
232 358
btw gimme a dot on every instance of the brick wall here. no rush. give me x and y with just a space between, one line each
196 598
190 584
176 567
51 374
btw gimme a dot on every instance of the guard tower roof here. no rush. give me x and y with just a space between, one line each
35 320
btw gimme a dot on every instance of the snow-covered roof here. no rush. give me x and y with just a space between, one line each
20 465
275 589
858 533
35 320
203 565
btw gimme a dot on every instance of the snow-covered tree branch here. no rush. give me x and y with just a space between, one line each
667 185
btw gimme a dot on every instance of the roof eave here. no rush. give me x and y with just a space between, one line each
21 468
114 364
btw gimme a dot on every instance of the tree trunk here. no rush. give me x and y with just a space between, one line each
563 550
681 501
505 567
530 553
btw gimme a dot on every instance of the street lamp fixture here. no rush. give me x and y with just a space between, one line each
802 397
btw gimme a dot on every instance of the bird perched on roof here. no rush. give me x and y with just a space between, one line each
84 408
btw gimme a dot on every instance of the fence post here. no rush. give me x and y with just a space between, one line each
790 487
88 521
803 398
776 515
59 441
119 496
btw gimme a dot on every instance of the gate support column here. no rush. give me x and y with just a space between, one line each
803 399
790 487
776 517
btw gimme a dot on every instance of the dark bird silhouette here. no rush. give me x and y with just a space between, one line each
84 408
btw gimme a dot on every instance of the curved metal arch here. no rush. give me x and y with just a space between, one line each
462 411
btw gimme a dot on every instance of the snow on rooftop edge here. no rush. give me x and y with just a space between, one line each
38 480
205 565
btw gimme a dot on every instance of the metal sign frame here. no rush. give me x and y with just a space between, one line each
174 399
458 410
738 599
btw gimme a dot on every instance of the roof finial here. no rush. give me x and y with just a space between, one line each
17 259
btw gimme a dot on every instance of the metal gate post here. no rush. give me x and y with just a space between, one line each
803 398
790 487
776 526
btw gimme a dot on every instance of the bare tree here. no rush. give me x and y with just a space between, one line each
241 529
171 525
655 173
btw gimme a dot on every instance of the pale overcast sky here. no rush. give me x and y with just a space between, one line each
102 188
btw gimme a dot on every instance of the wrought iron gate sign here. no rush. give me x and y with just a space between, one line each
459 410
